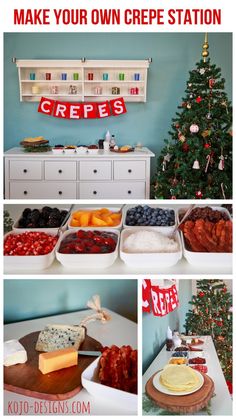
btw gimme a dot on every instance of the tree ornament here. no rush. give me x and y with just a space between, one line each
206 133
196 165
174 181
191 96
185 147
184 104
190 84
208 159
177 125
198 99
221 164
194 128
201 294
202 71
188 106
211 83
222 190
199 194
173 197
182 138
207 145
208 116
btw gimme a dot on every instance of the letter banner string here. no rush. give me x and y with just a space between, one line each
85 110
160 301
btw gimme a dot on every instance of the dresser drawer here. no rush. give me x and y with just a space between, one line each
57 170
113 190
129 170
95 170
42 190
25 169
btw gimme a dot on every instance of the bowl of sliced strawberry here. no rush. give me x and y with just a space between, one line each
82 248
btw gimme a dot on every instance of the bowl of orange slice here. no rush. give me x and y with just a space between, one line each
98 217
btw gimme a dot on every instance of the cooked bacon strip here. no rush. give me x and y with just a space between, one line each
191 239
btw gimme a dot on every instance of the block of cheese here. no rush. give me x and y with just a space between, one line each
14 353
56 360
57 336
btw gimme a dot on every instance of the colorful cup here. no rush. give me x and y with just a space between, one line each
134 91
75 76
32 76
90 76
35 90
54 90
115 90
121 76
98 90
64 76
136 76
48 76
105 76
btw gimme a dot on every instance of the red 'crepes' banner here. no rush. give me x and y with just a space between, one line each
82 110
161 300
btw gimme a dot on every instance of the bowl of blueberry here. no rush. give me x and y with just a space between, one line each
43 218
149 216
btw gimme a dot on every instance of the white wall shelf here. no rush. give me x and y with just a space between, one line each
82 68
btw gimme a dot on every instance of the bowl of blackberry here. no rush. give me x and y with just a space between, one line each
149 216
46 217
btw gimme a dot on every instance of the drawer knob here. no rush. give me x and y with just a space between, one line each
129 192
25 170
59 171
95 192
25 192
95 171
130 171
60 192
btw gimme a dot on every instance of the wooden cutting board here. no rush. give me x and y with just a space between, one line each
26 378
188 404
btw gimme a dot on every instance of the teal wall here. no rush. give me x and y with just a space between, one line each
155 328
174 54
28 299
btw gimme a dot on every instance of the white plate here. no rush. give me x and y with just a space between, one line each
162 389
129 401
149 259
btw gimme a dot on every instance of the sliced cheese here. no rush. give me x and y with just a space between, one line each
57 360
14 353
57 336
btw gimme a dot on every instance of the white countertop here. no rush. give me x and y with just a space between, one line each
19 152
221 404
119 267
118 331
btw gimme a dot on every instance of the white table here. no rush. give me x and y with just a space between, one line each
118 331
221 404
119 267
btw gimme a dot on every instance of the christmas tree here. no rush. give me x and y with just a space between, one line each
211 315
197 161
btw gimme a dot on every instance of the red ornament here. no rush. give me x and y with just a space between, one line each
185 147
201 294
173 197
207 145
230 386
177 126
211 83
198 99
184 104
224 290
198 194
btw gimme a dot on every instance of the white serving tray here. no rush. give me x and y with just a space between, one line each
114 209
95 261
207 258
122 398
16 227
168 229
148 260
30 262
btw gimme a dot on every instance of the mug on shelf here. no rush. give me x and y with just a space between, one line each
48 76
73 90
64 76
98 90
35 90
32 76
134 91
90 76
121 76
136 76
115 90
54 90
75 76
105 76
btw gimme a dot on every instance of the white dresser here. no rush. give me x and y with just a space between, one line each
105 175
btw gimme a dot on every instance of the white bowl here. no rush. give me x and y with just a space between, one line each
147 260
69 150
168 229
93 150
94 261
114 209
121 398
207 258
30 262
81 150
16 227
58 150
